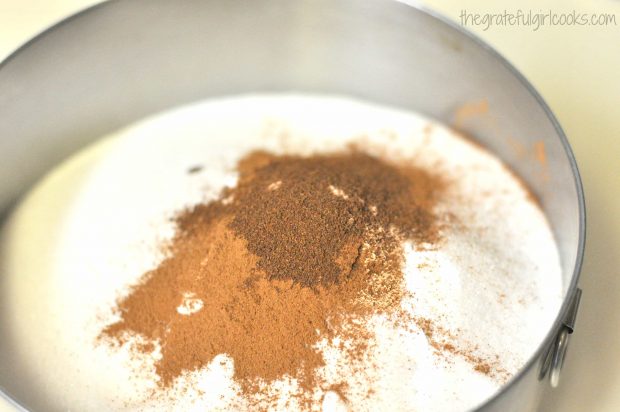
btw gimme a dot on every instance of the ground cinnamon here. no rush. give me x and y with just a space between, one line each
296 252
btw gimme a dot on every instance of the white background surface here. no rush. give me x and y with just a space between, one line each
577 70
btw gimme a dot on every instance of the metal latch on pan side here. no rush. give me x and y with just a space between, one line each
554 359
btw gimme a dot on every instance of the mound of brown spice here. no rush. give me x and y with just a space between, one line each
291 255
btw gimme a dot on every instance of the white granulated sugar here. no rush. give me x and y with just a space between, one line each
190 304
93 226
274 185
336 191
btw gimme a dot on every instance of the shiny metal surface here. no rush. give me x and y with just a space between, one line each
122 60
557 361
559 350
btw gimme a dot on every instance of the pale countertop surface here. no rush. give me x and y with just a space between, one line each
577 71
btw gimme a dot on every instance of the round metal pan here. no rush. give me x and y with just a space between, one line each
122 60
